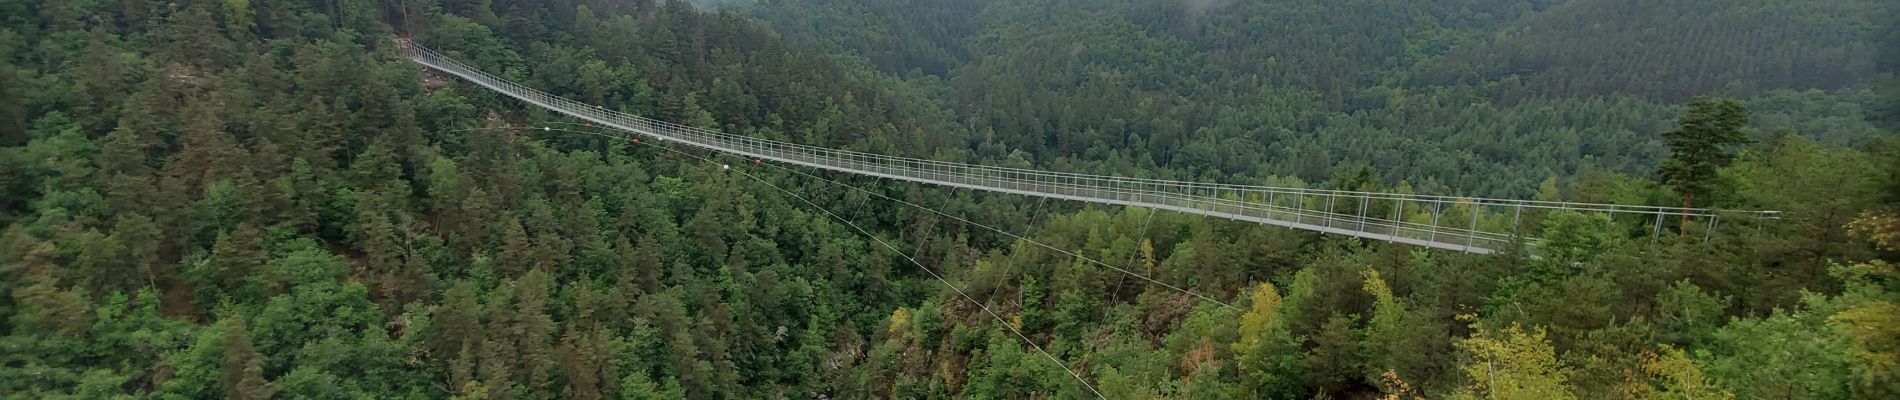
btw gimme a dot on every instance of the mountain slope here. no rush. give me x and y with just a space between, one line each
1435 93
1673 50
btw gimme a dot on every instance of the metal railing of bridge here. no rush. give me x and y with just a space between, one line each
1478 225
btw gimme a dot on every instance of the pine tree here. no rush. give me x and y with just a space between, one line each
207 152
448 189
103 78
104 263
142 243
274 132
252 385
462 371
46 309
237 255
642 264
1700 144
714 337
830 260
127 156
533 330
382 111
694 115
499 353
305 195
552 249
587 361
1334 359
456 324
383 247
682 352
12 97
707 229
243 366
266 201
497 369
323 134
876 269
517 252
192 38
376 167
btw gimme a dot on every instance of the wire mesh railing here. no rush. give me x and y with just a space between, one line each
1476 225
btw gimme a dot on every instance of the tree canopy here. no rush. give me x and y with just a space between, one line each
260 199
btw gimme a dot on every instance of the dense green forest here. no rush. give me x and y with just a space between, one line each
1479 97
257 198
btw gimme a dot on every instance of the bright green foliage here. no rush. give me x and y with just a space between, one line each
1786 171
1577 237
1268 355
1512 364
1386 344
1689 311
1875 329
1790 355
1680 377
1263 308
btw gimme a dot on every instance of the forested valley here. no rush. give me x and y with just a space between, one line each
256 199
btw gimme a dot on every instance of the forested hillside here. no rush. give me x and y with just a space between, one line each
1478 97
1674 50
258 199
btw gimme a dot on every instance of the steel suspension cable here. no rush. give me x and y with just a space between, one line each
1009 264
1131 255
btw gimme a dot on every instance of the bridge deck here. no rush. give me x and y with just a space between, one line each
1343 213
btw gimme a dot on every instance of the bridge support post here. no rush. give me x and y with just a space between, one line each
1330 198
1365 206
1711 232
1516 217
1270 204
1299 209
1398 216
1657 236
1471 234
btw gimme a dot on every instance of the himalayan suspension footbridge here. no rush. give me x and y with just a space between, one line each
1469 224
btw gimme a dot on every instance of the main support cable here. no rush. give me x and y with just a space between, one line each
1009 264
1131 255
907 257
